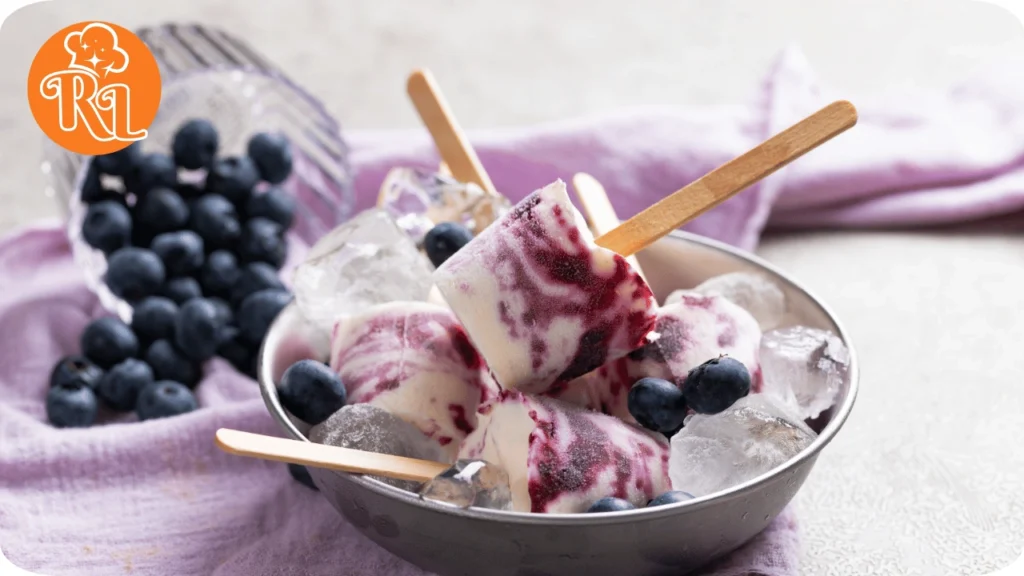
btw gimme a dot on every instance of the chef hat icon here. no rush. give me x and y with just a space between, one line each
95 49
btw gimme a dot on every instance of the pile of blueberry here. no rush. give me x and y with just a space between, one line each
193 242
661 406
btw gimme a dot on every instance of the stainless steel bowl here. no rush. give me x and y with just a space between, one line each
665 540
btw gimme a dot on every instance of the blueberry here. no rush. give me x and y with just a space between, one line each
311 391
715 385
233 178
120 386
151 171
275 205
181 290
220 273
670 498
182 252
107 226
153 319
444 240
93 190
161 210
108 341
224 311
301 475
214 218
239 354
75 369
71 405
253 278
119 163
199 330
610 504
262 242
257 313
272 155
134 273
164 398
169 363
657 405
195 144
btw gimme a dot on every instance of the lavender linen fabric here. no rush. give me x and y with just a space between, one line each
157 498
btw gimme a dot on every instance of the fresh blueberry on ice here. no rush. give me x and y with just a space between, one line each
75 369
134 273
153 319
108 341
311 391
220 273
161 210
444 240
199 330
71 405
253 278
169 363
239 354
164 398
182 252
107 226
301 475
120 386
275 205
610 504
715 385
119 163
657 405
215 219
670 498
181 289
195 144
258 311
233 178
151 171
272 155
262 241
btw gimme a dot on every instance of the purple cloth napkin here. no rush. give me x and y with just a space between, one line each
158 498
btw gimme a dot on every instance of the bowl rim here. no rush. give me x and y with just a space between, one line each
840 415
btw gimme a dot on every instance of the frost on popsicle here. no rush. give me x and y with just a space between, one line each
759 296
372 429
753 436
540 300
414 360
804 368
418 200
365 261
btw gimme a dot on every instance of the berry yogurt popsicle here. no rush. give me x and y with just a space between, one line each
561 458
690 331
414 360
541 301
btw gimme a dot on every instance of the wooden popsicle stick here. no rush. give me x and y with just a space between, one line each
451 142
332 457
598 209
442 169
734 176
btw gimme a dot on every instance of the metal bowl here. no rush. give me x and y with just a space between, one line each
664 540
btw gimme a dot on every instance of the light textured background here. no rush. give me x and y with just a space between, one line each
926 477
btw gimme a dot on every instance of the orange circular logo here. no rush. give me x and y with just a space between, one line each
94 88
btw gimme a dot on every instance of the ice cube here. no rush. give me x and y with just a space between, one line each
471 483
753 292
418 200
715 452
803 367
365 261
372 429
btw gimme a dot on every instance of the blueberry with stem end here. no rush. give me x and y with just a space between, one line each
311 391
120 386
153 319
107 226
657 405
163 399
195 144
272 155
75 369
444 240
71 405
134 273
108 341
715 385
169 363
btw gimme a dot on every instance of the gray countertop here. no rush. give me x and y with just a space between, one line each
925 478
